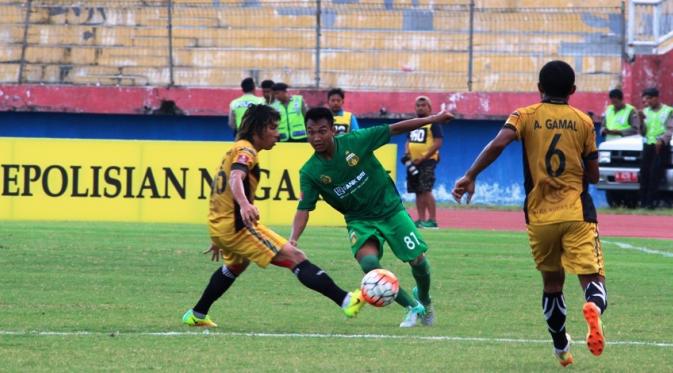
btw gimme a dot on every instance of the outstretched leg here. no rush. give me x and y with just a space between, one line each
314 278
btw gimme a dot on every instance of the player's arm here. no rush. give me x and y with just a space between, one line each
590 157
298 225
412 124
487 156
249 212
591 171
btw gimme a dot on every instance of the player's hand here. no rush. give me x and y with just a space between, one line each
293 242
463 186
443 116
250 214
215 253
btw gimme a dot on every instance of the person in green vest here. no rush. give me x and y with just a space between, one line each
620 119
656 156
292 109
344 121
267 91
239 106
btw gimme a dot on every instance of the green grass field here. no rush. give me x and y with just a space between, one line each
120 283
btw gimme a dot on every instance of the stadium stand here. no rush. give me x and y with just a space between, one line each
366 44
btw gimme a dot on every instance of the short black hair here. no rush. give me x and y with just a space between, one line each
336 91
557 79
317 113
616 93
651 92
280 87
247 85
267 84
255 120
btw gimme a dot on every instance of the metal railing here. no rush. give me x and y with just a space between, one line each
446 46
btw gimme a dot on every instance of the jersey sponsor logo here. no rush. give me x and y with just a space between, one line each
353 238
340 129
418 135
352 159
352 185
325 179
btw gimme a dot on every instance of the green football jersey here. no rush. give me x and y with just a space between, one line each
353 182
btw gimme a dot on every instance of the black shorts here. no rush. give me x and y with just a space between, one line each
424 181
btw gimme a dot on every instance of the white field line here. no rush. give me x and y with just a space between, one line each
208 333
628 246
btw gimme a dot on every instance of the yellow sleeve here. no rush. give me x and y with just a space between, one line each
516 122
244 157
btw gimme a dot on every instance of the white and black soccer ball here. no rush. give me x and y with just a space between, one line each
379 287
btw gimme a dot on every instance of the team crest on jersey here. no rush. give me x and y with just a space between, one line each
352 159
353 238
325 179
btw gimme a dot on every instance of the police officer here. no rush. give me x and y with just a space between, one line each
620 119
656 156
267 91
238 106
292 110
344 121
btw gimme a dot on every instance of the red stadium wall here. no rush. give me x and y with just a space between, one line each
215 101
649 71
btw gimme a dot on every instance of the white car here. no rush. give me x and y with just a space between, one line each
619 164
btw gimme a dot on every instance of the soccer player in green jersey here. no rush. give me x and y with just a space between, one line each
345 172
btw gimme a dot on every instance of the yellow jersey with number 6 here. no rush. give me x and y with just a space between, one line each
557 139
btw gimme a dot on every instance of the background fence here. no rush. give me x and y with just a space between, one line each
495 45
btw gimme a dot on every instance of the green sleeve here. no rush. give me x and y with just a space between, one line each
372 138
309 194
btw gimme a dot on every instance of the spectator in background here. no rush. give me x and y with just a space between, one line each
239 106
658 127
344 121
422 149
292 110
267 91
620 119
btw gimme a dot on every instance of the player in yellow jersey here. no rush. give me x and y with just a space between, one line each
560 160
236 233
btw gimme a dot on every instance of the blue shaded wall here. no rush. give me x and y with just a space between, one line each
501 184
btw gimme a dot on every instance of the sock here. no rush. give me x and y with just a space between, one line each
316 279
554 309
596 293
421 274
220 281
369 263
405 300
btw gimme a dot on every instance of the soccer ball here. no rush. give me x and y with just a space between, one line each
379 287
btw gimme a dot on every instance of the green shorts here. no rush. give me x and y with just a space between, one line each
398 230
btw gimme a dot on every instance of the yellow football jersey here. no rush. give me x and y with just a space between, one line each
224 217
557 138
